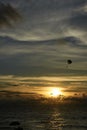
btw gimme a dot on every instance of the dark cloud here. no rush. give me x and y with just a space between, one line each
8 15
79 21
43 19
11 95
75 41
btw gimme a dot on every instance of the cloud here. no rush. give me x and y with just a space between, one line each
79 21
43 20
42 57
13 96
19 87
8 15
18 81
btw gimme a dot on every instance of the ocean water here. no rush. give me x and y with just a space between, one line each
42 117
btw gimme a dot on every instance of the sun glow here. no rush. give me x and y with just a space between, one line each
55 92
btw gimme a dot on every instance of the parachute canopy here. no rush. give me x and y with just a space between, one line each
69 61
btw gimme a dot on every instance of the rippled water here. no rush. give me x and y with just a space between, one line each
43 119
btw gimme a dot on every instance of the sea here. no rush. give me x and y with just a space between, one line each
42 117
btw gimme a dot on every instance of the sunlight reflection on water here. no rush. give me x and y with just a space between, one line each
45 119
56 120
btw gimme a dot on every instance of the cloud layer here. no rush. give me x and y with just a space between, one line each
35 58
40 85
49 19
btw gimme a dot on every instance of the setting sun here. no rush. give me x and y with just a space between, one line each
55 92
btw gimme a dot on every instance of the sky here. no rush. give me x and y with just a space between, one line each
37 37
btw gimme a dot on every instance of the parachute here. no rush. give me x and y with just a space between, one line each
69 61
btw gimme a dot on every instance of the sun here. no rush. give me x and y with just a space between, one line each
55 92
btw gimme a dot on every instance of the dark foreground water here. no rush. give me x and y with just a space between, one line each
43 117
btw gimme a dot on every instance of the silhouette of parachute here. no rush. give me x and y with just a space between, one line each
69 61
